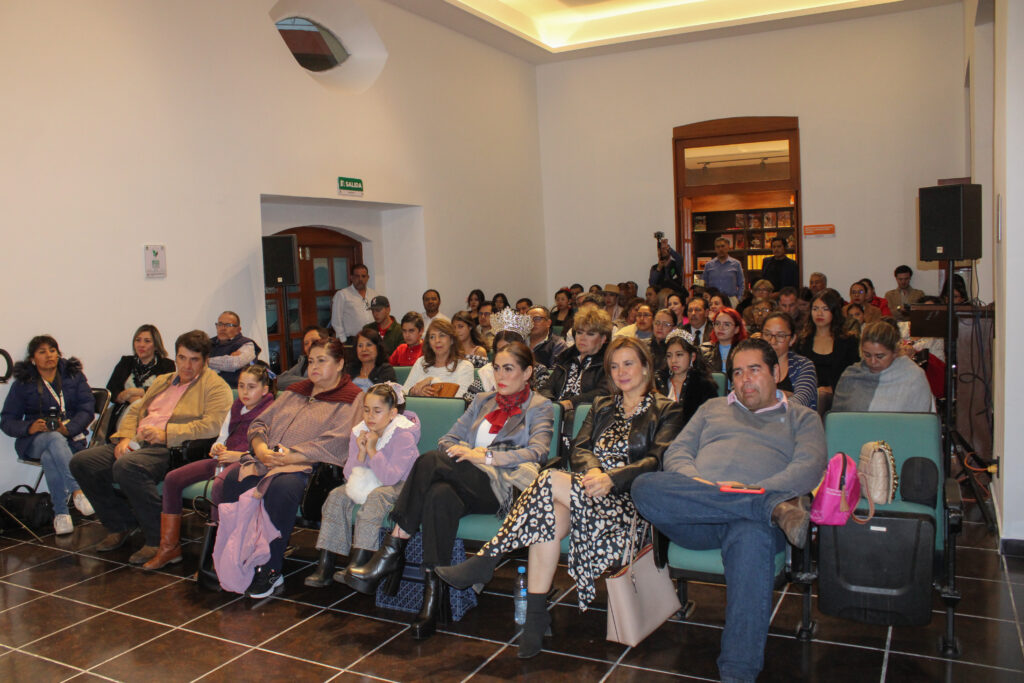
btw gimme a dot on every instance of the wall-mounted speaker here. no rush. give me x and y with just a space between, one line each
950 225
280 260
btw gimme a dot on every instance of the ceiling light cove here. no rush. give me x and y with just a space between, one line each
564 25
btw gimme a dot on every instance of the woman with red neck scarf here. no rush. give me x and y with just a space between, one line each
623 436
497 446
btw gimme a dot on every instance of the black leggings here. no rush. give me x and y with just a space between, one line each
438 492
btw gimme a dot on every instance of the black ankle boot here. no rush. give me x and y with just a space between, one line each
386 564
357 557
476 569
324 571
436 607
206 576
538 624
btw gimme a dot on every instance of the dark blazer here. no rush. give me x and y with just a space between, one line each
525 437
592 384
649 436
123 370
699 388
382 373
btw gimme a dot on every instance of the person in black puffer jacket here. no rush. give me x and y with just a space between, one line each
48 412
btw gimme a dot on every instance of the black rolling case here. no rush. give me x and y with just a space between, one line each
879 572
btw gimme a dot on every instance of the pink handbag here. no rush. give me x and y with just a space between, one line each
838 494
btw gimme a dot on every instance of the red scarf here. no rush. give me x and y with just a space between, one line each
507 407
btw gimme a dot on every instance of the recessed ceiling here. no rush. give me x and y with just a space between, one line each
560 25
552 30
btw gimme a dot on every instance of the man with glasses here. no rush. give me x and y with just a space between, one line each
231 351
546 346
697 312
483 315
350 308
643 328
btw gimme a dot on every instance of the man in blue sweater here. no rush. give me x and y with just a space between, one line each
753 438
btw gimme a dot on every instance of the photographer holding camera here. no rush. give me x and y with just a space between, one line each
48 411
668 271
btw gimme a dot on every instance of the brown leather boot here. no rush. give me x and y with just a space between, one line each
170 546
791 516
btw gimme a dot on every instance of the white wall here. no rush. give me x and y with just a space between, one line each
1009 262
133 122
881 108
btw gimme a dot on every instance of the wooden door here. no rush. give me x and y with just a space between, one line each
325 257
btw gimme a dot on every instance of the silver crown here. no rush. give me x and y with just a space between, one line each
508 319
680 334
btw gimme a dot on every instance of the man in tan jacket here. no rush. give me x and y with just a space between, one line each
190 403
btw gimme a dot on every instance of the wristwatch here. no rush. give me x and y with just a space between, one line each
488 457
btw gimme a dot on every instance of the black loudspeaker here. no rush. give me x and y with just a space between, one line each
280 260
950 222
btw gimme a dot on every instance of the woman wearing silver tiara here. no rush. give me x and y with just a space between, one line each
507 326
687 378
381 451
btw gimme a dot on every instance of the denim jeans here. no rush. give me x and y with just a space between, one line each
53 451
700 517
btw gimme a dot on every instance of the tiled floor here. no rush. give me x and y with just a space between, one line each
67 612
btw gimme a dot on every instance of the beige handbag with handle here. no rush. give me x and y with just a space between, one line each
640 596
876 471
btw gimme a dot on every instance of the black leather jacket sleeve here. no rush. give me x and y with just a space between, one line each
649 436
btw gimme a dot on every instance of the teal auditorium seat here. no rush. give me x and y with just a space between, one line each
870 573
719 378
402 373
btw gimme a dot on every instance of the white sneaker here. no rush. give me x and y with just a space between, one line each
83 504
62 525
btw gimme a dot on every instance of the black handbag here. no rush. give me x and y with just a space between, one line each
324 479
34 509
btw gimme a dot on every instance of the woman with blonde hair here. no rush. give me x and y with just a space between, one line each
623 436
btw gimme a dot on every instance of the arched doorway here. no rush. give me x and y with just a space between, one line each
325 257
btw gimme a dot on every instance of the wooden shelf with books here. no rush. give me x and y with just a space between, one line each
739 180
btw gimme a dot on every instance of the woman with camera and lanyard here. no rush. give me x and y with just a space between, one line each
48 411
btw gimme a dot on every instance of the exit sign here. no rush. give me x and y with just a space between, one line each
352 187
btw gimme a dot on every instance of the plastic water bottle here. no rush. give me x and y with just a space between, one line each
520 596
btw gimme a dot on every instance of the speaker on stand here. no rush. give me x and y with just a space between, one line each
950 231
280 270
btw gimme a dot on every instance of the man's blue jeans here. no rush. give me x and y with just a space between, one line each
53 452
701 517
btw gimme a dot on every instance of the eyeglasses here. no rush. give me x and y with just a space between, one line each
778 336
538 318
719 324
662 323
220 324
639 315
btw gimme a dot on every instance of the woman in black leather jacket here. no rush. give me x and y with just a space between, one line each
623 436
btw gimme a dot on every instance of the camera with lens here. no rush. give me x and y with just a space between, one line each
52 419
659 235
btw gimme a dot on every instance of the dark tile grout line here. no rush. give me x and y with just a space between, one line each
334 607
1013 605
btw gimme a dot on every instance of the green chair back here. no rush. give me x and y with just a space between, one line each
720 381
910 435
437 415
402 373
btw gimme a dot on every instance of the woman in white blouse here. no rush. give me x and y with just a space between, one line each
442 363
